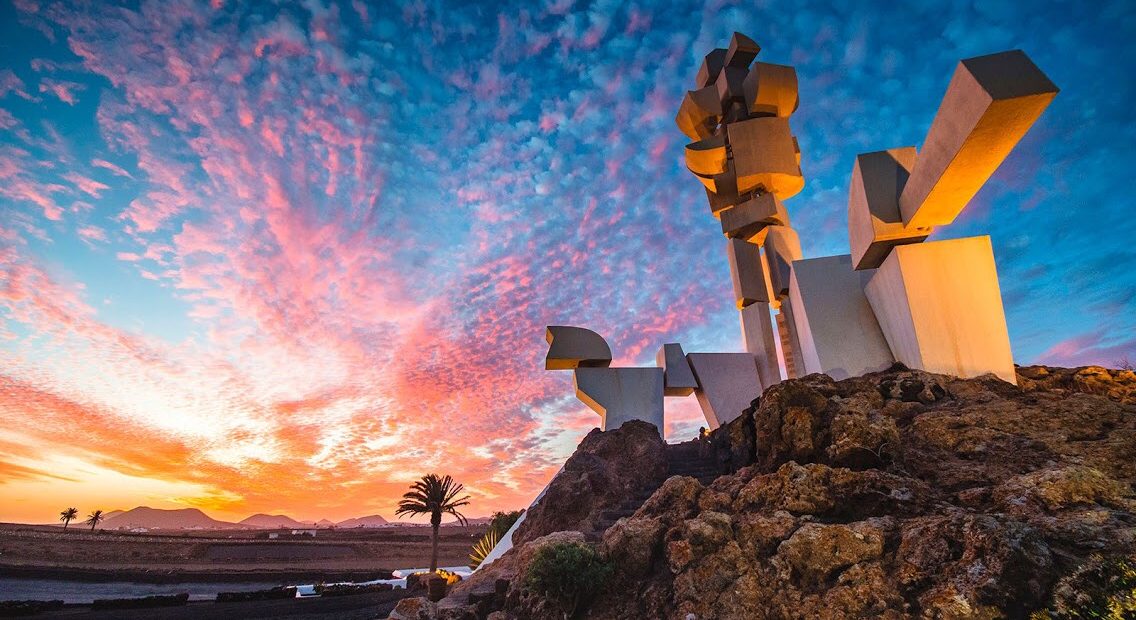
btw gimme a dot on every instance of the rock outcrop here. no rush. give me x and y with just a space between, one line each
900 494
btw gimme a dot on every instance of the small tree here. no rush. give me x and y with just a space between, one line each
433 496
499 525
94 519
568 575
67 516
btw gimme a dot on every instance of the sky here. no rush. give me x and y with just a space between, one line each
288 257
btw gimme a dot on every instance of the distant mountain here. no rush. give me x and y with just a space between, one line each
325 523
157 518
111 514
370 521
264 521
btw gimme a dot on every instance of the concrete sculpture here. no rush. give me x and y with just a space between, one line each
746 156
724 383
938 303
934 306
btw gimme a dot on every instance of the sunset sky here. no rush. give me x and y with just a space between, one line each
261 257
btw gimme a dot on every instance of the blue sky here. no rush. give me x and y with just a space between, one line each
325 237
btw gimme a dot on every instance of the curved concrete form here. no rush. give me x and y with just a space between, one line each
575 347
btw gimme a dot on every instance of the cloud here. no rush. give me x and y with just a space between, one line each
332 238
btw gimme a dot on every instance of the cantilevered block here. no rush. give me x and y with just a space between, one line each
742 51
747 270
940 308
782 247
725 184
745 220
678 379
730 86
707 157
874 223
622 394
771 90
765 156
711 65
727 384
759 337
837 331
574 347
699 113
721 201
990 104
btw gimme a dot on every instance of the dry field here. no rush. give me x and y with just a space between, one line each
223 555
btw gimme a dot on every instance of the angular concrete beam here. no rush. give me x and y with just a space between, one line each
619 395
782 247
727 384
758 336
678 378
765 156
730 87
745 220
707 157
771 90
836 328
742 51
699 113
711 65
875 225
574 347
990 104
725 185
747 271
940 308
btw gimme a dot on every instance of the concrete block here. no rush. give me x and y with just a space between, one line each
678 378
719 202
725 184
711 65
765 156
745 220
707 157
990 104
742 51
699 113
574 347
619 395
940 308
835 326
747 271
875 225
727 384
730 87
782 247
758 336
771 90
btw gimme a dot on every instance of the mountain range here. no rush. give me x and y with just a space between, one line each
192 518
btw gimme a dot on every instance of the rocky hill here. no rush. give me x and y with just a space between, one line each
266 521
900 494
157 518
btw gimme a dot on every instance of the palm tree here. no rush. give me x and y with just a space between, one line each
66 516
94 519
433 496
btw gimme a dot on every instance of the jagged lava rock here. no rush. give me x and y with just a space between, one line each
900 494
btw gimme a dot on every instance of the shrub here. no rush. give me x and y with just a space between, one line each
1102 588
483 547
568 575
498 527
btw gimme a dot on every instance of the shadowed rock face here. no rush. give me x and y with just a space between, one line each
894 495
606 469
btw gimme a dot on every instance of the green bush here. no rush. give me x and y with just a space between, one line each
568 575
1102 588
502 521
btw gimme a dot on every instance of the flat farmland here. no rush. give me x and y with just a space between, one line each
224 555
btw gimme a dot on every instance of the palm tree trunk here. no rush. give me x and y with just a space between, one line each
434 550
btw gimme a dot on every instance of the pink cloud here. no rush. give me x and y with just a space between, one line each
63 90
